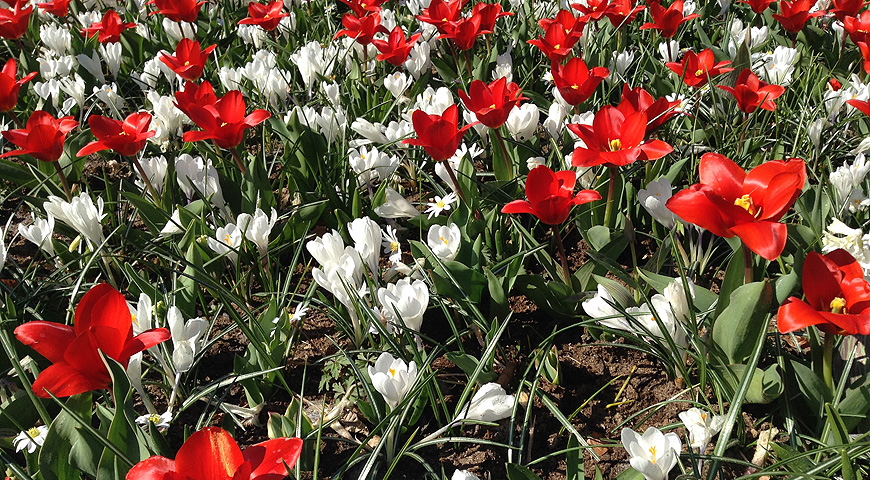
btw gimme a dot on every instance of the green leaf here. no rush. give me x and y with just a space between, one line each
816 393
737 328
67 451
519 472
574 468
840 434
734 277
123 432
630 474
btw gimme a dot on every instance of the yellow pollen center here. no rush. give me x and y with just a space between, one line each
154 418
228 239
704 417
652 451
615 144
444 240
558 46
838 305
224 124
575 87
267 16
440 204
186 63
392 372
363 5
122 133
492 106
699 72
444 19
745 202
33 432
394 246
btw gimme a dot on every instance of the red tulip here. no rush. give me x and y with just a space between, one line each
865 53
489 13
758 6
696 69
441 12
575 81
361 29
615 139
570 25
194 95
58 8
751 93
793 16
396 49
266 16
363 7
620 12
9 87
439 135
593 10
463 32
838 297
730 202
846 8
125 138
225 121
43 138
14 21
109 28
492 103
667 20
177 10
557 41
551 195
858 27
189 60
102 324
639 100
212 454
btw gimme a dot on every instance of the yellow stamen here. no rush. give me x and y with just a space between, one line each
652 451
33 432
394 246
745 202
699 72
444 240
615 144
393 372
575 87
227 239
154 418
492 106
557 46
186 63
838 305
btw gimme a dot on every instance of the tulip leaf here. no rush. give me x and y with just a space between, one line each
574 467
502 165
765 386
17 174
839 432
123 432
67 450
519 472
816 393
734 277
737 328
855 404
151 216
630 474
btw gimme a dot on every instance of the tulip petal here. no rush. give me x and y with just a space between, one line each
103 306
268 458
153 468
145 340
209 454
696 206
764 238
722 175
62 380
49 339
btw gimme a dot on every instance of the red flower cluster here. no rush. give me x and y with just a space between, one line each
396 48
730 202
837 297
561 33
362 29
102 324
43 138
619 12
14 21
58 8
446 16
550 195
211 453
575 81
793 16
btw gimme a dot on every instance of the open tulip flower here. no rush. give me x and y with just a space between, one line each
667 20
697 69
177 10
858 27
757 6
440 13
58 8
212 454
550 195
592 10
793 16
194 95
189 59
556 43
362 29
9 86
615 139
577 82
658 111
109 28
363 7
843 9
488 13
396 48
730 202
492 103
464 32
752 93
622 12
439 135
125 138
266 16
225 121
102 324
837 297
14 21
43 138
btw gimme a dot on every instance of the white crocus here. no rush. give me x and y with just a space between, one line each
194 176
444 240
112 55
158 420
367 237
463 475
490 404
57 38
522 122
853 240
39 233
675 294
258 228
155 169
555 121
173 225
392 378
179 30
187 338
654 453
81 214
419 59
847 178
227 241
370 164
396 83
670 51
108 94
327 249
405 302
373 132
396 206
134 374
702 426
30 439
93 65
649 316
653 199
142 314
434 102
395 131
602 308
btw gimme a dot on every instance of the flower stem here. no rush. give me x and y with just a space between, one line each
507 160
238 160
63 181
455 181
828 360
747 264
608 209
565 272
